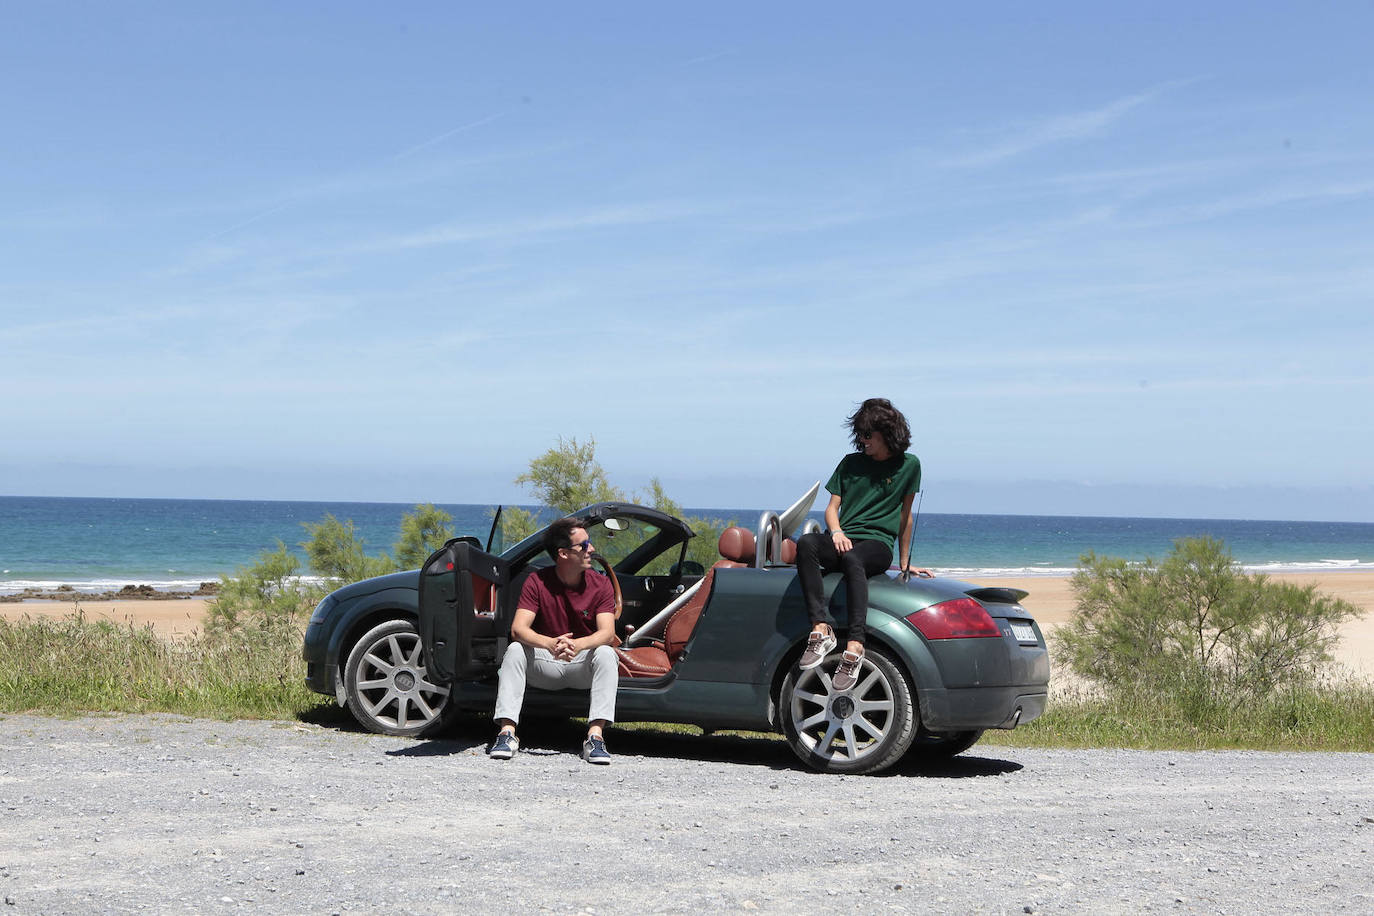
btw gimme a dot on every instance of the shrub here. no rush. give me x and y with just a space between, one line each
1196 628
266 599
423 530
337 553
568 477
271 600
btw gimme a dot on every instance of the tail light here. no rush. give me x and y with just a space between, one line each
958 618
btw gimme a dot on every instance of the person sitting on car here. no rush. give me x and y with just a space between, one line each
871 493
561 637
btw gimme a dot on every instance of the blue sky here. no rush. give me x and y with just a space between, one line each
1108 262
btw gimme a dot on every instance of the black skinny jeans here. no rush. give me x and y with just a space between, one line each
816 553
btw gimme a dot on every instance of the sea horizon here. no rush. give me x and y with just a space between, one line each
95 544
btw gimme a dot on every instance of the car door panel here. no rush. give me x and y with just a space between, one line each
465 610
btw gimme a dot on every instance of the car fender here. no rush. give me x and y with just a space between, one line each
351 618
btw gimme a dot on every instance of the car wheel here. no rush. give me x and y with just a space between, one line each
932 748
387 686
862 730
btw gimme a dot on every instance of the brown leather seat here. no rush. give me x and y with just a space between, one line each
656 659
736 547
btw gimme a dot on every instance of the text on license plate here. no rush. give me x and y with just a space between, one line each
1023 631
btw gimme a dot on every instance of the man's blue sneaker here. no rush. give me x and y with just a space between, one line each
504 747
594 750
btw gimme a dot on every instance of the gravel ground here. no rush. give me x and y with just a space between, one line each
169 815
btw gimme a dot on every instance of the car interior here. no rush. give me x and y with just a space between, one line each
653 648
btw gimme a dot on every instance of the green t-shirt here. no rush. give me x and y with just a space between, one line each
871 494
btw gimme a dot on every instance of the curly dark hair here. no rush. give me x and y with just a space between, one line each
559 535
879 415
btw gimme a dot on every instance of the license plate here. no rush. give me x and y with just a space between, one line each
1023 631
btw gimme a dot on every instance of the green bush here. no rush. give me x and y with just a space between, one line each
338 554
271 598
423 531
267 599
1197 629
568 477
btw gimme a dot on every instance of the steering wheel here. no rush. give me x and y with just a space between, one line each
605 565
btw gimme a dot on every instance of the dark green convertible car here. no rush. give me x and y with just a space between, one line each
712 647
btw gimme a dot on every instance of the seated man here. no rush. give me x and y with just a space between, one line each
561 637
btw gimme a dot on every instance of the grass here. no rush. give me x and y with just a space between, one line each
1332 716
76 666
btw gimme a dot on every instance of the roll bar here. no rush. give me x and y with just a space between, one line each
768 544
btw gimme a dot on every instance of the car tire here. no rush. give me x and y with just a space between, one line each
862 730
387 687
932 748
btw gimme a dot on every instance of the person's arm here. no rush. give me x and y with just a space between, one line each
604 635
522 631
832 521
605 620
904 538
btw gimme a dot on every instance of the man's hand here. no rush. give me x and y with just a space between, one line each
842 542
564 649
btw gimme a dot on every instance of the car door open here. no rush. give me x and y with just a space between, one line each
465 611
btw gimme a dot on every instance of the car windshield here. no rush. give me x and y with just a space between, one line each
622 539
631 545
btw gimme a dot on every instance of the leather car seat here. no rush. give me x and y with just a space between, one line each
736 547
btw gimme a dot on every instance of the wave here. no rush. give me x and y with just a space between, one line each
1028 572
972 573
100 586
1312 566
1003 572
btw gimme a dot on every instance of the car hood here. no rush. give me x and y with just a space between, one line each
409 579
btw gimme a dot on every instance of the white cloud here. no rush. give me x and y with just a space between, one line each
1079 125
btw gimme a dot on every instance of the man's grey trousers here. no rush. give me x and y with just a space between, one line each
590 668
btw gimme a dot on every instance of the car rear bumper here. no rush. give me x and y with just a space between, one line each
966 708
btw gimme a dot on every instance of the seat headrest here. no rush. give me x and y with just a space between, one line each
737 544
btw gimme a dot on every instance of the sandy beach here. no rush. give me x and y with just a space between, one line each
1051 601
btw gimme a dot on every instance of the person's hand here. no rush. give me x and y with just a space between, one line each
842 542
908 571
563 648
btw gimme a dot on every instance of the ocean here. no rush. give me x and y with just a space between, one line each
99 544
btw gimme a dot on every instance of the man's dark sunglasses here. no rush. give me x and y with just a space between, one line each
583 547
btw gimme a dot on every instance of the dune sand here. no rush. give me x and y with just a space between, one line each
1050 600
